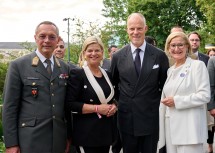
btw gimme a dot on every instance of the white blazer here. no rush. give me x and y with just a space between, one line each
188 122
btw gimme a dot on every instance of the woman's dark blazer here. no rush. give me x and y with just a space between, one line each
88 129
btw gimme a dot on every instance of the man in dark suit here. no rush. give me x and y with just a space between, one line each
107 61
195 40
33 111
140 70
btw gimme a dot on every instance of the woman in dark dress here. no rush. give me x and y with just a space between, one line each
90 97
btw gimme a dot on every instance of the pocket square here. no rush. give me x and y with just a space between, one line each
155 66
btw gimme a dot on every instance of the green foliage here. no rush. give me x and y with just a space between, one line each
75 50
2 147
3 71
82 30
160 16
208 8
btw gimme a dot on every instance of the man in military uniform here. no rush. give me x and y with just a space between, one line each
59 52
35 87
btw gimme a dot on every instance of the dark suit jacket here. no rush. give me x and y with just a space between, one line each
106 64
33 112
71 65
139 99
88 129
203 57
211 70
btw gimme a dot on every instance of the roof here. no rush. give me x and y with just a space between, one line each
11 45
210 46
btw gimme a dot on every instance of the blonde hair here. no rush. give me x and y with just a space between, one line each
187 42
90 40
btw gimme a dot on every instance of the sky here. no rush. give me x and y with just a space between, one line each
19 18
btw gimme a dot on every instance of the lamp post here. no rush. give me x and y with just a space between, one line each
67 19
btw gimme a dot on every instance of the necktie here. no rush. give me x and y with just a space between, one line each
48 67
137 61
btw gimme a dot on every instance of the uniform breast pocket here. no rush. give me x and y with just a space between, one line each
27 122
33 82
62 82
32 87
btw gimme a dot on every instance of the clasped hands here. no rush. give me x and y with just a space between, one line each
168 101
107 109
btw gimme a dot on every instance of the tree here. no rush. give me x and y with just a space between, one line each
208 8
82 30
160 16
3 71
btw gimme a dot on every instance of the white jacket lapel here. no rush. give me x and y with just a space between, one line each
182 75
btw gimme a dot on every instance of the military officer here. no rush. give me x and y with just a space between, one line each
35 87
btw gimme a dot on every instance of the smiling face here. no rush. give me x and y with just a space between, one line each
93 54
178 49
136 29
59 52
46 39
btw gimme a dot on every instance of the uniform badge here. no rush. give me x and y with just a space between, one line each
34 92
35 61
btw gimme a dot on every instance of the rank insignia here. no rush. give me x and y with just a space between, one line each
35 61
34 92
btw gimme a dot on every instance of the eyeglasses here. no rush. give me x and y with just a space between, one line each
51 37
173 46
197 40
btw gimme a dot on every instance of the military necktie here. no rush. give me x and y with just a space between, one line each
137 61
48 67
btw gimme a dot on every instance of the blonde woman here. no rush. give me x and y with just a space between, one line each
183 121
90 96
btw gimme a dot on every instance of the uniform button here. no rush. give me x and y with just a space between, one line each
52 83
34 83
52 94
53 105
23 124
53 117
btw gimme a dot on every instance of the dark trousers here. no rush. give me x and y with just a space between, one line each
117 144
104 149
74 149
210 139
139 144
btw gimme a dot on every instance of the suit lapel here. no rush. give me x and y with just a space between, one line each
56 71
38 66
129 62
146 69
147 64
182 75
